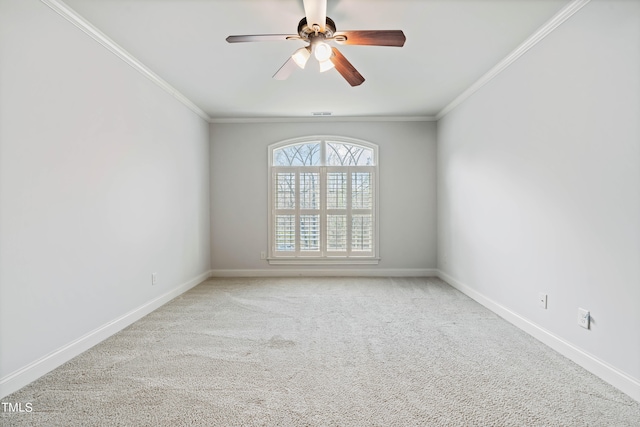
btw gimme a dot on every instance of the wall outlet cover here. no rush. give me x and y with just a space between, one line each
542 300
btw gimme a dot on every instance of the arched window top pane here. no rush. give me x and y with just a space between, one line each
323 151
342 154
306 154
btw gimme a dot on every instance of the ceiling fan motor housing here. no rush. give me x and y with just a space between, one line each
305 31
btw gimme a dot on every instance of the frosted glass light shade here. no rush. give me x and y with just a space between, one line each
322 51
301 56
326 65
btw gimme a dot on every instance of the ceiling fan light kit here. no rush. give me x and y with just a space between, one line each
318 34
301 56
326 65
322 51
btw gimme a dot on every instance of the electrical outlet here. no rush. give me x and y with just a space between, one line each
542 300
263 255
583 318
154 279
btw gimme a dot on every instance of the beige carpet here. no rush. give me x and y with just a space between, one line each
322 352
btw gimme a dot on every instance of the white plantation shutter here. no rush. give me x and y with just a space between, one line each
361 233
322 201
285 232
362 211
336 233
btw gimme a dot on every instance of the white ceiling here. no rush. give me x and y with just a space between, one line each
450 45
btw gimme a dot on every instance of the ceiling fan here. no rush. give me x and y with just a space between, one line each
316 28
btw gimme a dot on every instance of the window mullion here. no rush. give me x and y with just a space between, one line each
349 215
323 198
323 153
323 210
297 211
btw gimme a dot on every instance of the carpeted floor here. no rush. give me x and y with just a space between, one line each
322 352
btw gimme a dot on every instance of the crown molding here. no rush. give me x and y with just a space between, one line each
323 119
70 15
564 14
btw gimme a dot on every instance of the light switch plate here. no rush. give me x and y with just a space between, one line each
583 318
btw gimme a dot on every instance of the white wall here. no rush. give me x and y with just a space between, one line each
539 187
407 193
104 179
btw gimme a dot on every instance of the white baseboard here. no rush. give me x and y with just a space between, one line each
45 364
36 369
624 382
333 272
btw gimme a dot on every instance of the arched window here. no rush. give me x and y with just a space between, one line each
322 201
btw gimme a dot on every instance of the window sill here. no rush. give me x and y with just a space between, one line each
323 261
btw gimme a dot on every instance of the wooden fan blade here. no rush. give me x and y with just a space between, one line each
316 13
285 71
262 38
345 68
371 37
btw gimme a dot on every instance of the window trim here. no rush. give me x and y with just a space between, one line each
352 259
